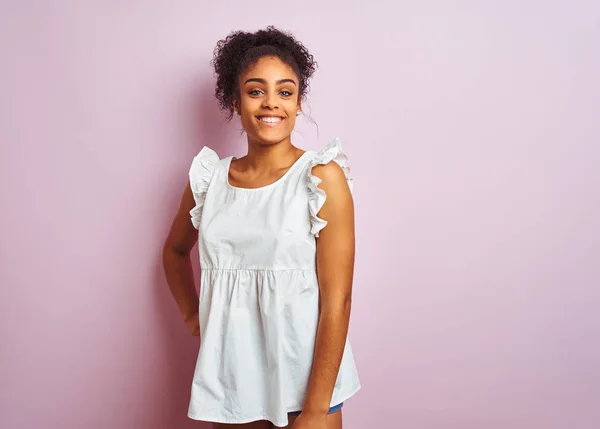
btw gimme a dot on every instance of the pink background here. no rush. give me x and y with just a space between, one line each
474 135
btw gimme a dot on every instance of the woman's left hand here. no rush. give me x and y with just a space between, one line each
310 421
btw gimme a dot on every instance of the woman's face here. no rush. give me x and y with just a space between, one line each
268 102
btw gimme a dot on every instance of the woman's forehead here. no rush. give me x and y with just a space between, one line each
270 69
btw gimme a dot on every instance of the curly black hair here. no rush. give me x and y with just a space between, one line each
239 50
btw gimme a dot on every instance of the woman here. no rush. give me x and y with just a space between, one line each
276 241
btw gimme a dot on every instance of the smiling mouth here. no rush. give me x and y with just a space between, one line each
270 119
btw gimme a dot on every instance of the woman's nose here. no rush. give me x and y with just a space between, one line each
271 102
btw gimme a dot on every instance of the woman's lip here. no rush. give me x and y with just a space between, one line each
270 124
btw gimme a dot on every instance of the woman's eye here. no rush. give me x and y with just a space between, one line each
257 92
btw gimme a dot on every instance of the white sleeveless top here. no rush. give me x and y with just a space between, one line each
259 294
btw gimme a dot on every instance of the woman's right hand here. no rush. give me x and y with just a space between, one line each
193 324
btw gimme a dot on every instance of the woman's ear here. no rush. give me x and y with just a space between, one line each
236 107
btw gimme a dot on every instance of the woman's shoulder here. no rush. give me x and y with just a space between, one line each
331 164
206 156
328 168
205 164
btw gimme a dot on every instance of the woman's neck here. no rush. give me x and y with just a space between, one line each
268 156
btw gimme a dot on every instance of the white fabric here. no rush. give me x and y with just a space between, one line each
259 293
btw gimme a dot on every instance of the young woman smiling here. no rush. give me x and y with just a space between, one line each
276 240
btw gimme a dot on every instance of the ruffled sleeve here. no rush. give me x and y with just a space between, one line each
201 172
317 196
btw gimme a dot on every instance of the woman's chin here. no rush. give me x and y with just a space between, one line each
268 138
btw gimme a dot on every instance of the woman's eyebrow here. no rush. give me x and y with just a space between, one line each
279 82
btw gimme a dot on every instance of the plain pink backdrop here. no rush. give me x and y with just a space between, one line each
473 130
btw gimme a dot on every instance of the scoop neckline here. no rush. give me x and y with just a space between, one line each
270 185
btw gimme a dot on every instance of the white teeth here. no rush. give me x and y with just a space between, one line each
270 119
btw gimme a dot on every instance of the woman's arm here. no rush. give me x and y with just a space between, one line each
178 265
335 268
